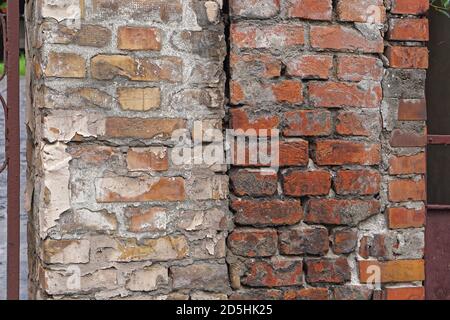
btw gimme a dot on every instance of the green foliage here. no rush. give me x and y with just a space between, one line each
3 4
22 66
443 6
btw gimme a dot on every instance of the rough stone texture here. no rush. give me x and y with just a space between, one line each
111 214
111 82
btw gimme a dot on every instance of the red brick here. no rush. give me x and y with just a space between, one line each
117 127
416 7
393 271
405 293
341 94
344 39
340 212
148 159
412 110
310 9
307 294
307 183
402 218
357 68
310 66
340 152
242 120
407 190
327 270
400 138
268 37
353 292
344 240
357 182
262 213
253 242
415 164
248 183
139 38
307 123
300 241
256 294
288 91
409 29
280 272
146 220
408 57
349 123
371 11
294 153
256 65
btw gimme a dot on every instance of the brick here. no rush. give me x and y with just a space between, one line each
414 164
340 152
393 271
358 68
405 293
253 242
267 37
253 93
343 38
267 212
149 279
340 212
139 38
201 276
254 183
307 123
352 293
280 272
116 127
404 138
65 65
307 183
149 10
255 8
357 182
327 270
410 7
208 188
66 251
367 11
350 123
412 110
86 35
341 94
255 65
242 119
256 294
310 9
146 219
404 83
309 66
139 99
344 241
109 67
137 189
300 241
307 294
148 159
407 57
294 153
409 29
401 218
205 43
406 190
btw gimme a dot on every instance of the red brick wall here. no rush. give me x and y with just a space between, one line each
350 92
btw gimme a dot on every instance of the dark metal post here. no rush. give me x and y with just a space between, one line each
13 150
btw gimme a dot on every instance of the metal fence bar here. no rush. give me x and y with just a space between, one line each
13 150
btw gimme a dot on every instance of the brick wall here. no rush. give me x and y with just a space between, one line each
113 216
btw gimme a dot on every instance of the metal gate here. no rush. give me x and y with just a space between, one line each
10 24
437 242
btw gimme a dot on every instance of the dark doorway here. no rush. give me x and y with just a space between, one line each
437 252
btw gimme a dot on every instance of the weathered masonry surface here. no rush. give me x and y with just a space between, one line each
112 216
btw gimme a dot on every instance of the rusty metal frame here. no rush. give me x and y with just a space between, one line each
10 24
